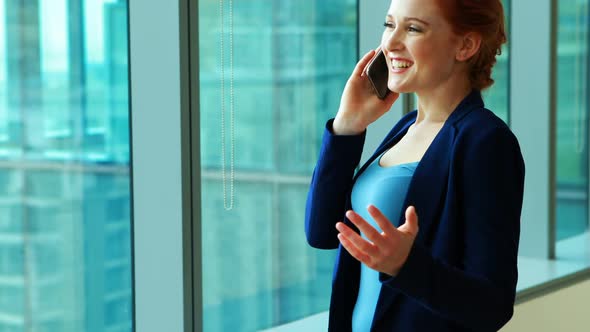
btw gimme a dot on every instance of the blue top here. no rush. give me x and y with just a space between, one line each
386 188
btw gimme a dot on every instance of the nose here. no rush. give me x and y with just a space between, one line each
393 40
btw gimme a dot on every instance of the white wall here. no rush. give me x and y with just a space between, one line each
564 310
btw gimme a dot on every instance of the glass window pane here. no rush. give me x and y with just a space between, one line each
292 59
65 235
572 119
497 97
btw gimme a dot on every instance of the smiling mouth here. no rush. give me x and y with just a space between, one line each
400 65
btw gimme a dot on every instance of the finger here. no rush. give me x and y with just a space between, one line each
355 238
360 66
381 220
352 250
370 232
411 224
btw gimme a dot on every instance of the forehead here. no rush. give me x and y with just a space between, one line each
423 9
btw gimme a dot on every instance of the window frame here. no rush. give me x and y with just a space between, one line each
165 207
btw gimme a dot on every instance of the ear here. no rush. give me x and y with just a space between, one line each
468 47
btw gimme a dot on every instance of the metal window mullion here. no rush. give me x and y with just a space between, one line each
158 164
191 152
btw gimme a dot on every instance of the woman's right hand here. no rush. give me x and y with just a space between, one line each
359 105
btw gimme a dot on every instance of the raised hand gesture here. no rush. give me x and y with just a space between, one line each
385 251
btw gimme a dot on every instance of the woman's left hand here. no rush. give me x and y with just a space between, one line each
386 251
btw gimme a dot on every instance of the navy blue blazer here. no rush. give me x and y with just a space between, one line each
461 272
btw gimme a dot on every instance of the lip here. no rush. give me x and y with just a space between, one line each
402 59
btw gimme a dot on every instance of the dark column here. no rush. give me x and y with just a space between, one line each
77 73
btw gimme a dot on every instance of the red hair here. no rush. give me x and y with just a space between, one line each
486 18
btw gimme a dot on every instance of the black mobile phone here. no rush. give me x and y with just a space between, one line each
378 74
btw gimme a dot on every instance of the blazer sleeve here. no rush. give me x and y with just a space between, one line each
330 185
479 294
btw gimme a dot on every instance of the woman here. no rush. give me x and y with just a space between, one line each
427 230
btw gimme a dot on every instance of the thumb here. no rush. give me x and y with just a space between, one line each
411 224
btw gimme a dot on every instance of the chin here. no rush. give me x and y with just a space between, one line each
399 88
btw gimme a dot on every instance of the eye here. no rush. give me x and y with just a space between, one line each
414 29
389 25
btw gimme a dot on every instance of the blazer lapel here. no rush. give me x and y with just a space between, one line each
430 177
386 145
429 182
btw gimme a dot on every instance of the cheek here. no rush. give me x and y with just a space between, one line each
384 38
433 55
424 54
383 43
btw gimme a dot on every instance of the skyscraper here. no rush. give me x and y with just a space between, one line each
64 167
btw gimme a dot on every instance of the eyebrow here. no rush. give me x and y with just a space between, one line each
410 19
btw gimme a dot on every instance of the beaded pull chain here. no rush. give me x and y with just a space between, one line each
231 106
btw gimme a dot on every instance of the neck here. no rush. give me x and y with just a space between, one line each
435 105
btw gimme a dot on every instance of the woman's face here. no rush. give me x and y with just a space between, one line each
419 46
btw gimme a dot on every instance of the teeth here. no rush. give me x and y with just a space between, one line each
400 64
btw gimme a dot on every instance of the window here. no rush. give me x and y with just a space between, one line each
290 55
11 301
572 120
64 167
546 114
